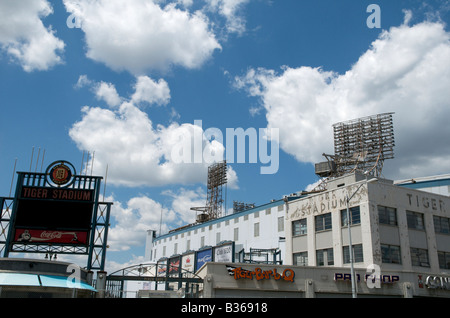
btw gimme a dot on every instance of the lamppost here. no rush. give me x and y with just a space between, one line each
352 268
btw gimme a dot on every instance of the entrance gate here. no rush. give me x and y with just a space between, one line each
158 273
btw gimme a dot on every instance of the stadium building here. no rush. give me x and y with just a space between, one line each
299 245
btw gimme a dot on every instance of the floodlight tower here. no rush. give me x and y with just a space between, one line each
217 178
360 144
363 144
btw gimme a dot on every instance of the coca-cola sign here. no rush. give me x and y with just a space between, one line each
46 236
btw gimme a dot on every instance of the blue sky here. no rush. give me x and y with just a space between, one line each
134 75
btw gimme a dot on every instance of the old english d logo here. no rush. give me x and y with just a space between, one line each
60 172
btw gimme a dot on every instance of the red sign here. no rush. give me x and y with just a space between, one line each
46 236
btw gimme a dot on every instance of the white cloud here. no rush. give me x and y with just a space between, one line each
108 93
150 91
145 90
102 90
186 3
24 37
138 35
232 178
83 81
406 71
230 9
255 111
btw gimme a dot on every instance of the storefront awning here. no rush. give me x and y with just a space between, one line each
19 279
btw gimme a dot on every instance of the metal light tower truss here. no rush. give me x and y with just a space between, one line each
99 236
6 213
363 144
217 177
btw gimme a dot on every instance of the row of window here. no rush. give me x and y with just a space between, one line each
386 215
323 221
419 256
414 220
389 254
325 257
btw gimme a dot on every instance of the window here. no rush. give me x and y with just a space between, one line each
387 215
280 208
256 229
323 222
202 241
419 257
444 260
355 217
325 257
441 225
390 254
175 248
268 211
415 220
301 259
357 254
281 224
299 227
188 245
217 237
236 234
